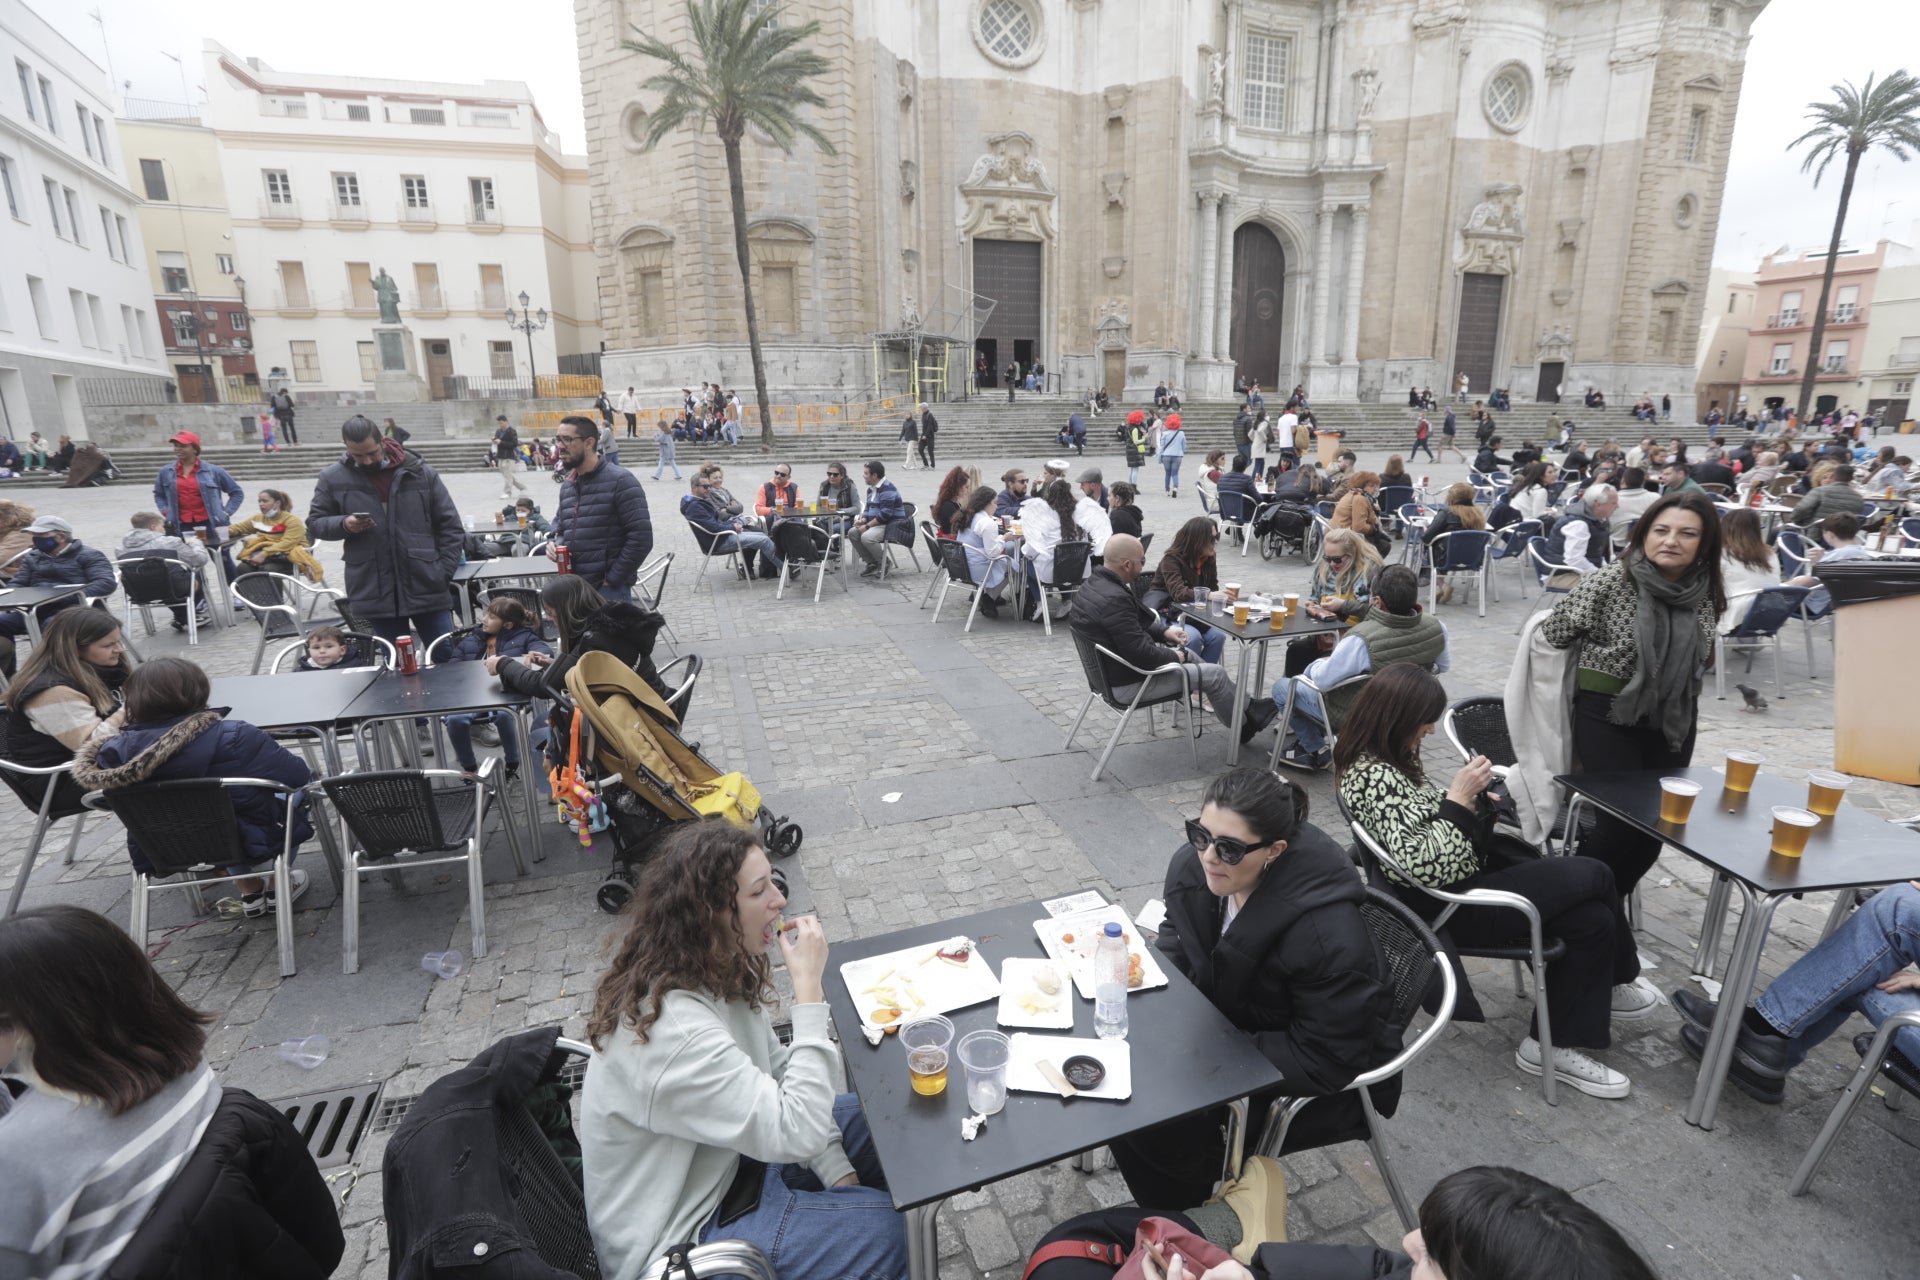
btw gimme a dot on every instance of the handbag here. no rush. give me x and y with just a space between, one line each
1156 1237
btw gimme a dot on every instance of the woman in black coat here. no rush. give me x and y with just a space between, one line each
1263 916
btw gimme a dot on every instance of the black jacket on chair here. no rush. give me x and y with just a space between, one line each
1299 971
1106 612
248 1203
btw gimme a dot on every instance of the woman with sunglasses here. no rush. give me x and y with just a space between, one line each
1343 575
1263 915
838 489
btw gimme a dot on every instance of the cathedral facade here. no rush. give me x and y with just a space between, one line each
1359 195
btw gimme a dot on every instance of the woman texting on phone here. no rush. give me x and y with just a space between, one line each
697 1123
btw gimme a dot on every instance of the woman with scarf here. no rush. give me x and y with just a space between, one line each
277 540
1645 626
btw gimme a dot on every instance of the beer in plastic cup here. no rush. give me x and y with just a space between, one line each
1232 589
1292 599
1676 799
1824 791
1278 618
1741 766
1791 827
926 1041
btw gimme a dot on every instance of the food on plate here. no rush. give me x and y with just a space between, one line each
1047 979
1067 938
1136 969
887 1013
956 951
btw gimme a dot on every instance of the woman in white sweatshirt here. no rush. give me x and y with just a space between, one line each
697 1123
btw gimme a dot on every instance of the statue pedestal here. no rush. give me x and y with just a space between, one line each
397 378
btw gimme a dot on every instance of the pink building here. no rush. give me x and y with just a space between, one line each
1787 293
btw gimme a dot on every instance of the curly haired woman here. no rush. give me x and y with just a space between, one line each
698 1123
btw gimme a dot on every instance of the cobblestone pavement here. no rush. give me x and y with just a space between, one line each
928 771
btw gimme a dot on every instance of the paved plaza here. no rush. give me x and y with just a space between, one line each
926 766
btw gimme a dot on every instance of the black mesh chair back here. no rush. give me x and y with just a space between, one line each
182 825
1070 564
799 542
1407 949
1146 540
1478 726
953 558
396 810
154 580
1090 666
1771 610
900 532
546 1193
277 613
704 538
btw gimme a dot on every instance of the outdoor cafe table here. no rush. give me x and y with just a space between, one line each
1257 634
28 600
1186 1058
1731 832
503 569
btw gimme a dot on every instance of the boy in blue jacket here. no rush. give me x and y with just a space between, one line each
505 631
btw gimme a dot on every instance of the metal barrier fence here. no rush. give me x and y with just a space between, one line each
132 391
548 386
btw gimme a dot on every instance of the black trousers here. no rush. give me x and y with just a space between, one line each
633 426
1579 904
926 451
1174 1165
284 426
1605 747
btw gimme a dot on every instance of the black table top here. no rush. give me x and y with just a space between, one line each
291 698
28 597
1259 631
1186 1057
1732 831
435 691
506 567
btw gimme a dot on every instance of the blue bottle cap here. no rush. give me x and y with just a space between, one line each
1113 928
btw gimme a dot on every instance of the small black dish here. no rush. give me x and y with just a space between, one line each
1083 1072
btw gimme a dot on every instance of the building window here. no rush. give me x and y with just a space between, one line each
1847 305
427 115
1008 31
493 119
153 174
499 359
1904 387
82 322
480 191
173 272
415 188
106 232
426 284
369 362
42 309
306 360
1263 77
120 233
293 286
53 204
86 134
137 335
100 134
46 99
359 111
346 190
295 109
223 263
653 303
781 310
360 293
72 198
1782 362
1836 361
1506 98
237 321
6 183
1789 309
26 89
1695 151
279 187
493 286
183 328
757 7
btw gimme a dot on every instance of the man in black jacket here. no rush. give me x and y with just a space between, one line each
929 427
1713 469
601 517
1106 612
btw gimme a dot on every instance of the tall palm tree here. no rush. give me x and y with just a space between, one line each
1853 123
750 72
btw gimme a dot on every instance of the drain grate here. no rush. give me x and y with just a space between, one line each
333 1123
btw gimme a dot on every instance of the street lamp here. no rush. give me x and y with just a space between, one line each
525 321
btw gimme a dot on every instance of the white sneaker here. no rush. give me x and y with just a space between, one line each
1570 1066
1635 999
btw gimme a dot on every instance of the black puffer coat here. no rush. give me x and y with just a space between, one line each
402 566
603 520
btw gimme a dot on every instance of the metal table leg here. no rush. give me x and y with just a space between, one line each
1239 702
923 1249
1712 925
528 791
220 594
1756 918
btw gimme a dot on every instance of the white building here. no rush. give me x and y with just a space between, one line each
459 192
75 305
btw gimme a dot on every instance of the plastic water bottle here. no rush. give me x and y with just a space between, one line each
1110 984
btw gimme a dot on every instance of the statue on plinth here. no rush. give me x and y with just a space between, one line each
388 295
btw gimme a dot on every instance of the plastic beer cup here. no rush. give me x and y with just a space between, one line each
1791 827
1741 766
1292 599
1676 799
1824 790
1240 613
926 1041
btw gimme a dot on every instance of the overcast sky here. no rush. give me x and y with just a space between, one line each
1800 47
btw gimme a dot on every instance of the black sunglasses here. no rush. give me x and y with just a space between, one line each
1227 849
781 475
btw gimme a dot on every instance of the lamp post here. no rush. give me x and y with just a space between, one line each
525 321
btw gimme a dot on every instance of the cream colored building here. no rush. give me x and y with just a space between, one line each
1890 356
1359 195
1721 352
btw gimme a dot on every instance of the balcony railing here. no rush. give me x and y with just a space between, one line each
1904 361
1834 364
479 217
1847 315
338 212
1780 371
272 210
417 215
294 300
1785 320
427 300
484 301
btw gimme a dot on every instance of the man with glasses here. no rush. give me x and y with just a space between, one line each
1107 612
1007 505
601 516
717 534
777 494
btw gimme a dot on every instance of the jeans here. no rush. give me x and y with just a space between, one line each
1212 679
1209 644
1605 747
809 1230
730 431
612 592
1308 720
427 626
1172 466
666 460
460 738
1811 1000
749 544
1418 445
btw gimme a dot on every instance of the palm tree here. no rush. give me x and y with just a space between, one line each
1857 120
750 72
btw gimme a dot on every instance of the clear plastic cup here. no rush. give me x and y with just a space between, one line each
984 1055
443 964
1791 827
1825 791
1199 597
306 1053
926 1041
1676 799
1216 604
1292 599
1741 767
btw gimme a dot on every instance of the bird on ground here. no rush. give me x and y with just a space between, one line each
1754 701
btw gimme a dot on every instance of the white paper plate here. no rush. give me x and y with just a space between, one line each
1023 1071
1077 955
922 982
1017 985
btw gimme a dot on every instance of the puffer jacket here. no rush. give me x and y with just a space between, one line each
74 565
624 630
1106 612
202 744
517 643
602 518
402 566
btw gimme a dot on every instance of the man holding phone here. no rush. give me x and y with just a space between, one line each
402 533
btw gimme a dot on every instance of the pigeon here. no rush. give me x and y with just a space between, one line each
1754 701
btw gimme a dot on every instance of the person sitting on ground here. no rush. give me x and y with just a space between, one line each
1356 511
67 691
777 494
276 540
331 649
974 526
1191 564
15 541
1342 574
505 631
690 1097
1238 483
170 734
123 1155
1713 469
1582 539
1046 520
1263 916
58 559
954 490
1457 513
1833 494
1006 506
148 540
1488 460
1394 630
726 533
1074 434
1434 837
1124 514
1107 613
883 510
1864 966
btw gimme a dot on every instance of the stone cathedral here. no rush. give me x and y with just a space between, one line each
1357 195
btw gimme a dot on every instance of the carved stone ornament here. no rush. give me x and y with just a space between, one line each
1216 76
1628 56
909 312
909 180
1006 196
1490 241
1435 17
906 80
1578 158
1117 97
1113 266
1115 185
1570 232
1556 343
1113 326
1559 68
1366 90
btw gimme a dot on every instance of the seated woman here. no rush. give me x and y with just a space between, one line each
696 1122
1747 564
1457 513
946 502
1263 914
1046 521
1190 563
277 540
1343 575
1124 514
1531 494
586 622
1356 511
505 631
122 1116
66 691
1394 474
974 525
1437 838
170 734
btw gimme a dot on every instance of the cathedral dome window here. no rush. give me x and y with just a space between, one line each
1009 32
1507 98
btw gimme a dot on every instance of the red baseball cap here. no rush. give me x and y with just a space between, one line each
185 437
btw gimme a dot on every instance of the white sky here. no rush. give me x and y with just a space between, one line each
1799 48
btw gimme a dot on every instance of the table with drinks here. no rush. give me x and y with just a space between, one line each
1058 1080
1253 622
1768 837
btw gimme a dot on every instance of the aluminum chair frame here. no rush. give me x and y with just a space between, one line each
1063 590
43 821
887 544
824 541
196 595
651 595
975 588
1871 1063
704 539
1481 572
1185 670
1510 543
1753 640
1543 570
388 651
934 579
291 611
1284 720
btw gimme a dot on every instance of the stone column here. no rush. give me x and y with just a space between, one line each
1223 294
1209 266
1322 286
1356 277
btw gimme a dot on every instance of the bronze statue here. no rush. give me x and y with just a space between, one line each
388 294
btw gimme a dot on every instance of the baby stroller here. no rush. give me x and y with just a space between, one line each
646 776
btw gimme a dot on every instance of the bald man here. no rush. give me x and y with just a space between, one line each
1107 613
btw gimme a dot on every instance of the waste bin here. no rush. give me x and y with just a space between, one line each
1328 443
1876 616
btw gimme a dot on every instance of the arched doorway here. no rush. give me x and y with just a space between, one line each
1259 269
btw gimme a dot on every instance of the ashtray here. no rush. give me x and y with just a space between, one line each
1083 1072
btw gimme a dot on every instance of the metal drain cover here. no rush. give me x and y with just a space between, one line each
333 1123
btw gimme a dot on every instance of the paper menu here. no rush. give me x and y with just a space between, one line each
1075 903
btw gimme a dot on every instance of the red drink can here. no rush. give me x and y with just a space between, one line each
409 660
563 559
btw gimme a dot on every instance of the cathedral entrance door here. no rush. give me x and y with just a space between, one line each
1008 272
1114 378
1259 269
1477 335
